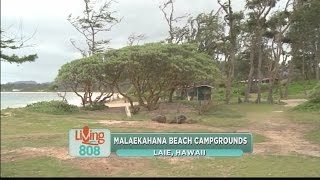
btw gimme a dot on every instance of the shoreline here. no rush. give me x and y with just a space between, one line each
75 100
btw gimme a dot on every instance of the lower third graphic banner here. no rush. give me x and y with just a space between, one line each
181 144
101 142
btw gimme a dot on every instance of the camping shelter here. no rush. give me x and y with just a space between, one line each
201 92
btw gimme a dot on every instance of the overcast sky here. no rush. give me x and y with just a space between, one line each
48 18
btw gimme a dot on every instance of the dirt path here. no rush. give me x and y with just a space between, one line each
293 102
284 137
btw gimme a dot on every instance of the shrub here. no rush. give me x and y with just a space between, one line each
95 107
264 87
52 107
219 95
315 93
311 105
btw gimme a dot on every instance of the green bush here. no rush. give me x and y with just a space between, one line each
311 105
315 93
264 87
296 88
95 107
218 94
52 107
180 98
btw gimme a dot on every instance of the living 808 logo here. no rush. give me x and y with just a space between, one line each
88 142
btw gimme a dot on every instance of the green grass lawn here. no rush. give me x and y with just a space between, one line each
246 166
308 118
258 138
40 167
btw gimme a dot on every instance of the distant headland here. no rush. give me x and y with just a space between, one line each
26 86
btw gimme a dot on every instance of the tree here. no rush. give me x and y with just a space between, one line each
278 24
176 33
207 31
134 39
305 39
14 44
231 18
94 21
154 69
116 67
86 75
258 14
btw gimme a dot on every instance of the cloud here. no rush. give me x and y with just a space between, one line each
53 31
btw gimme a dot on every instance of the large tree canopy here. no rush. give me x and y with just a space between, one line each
154 69
86 75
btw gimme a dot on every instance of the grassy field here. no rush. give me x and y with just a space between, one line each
311 119
247 166
46 136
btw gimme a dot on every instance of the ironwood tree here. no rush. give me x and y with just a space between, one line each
96 18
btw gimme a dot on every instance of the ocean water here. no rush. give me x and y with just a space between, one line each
21 99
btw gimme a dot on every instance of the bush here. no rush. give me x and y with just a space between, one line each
52 107
315 93
180 98
297 88
264 87
218 95
95 107
311 105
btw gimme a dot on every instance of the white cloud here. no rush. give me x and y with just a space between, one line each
49 18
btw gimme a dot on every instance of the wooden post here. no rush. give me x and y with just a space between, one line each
127 109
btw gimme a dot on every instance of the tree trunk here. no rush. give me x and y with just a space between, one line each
228 91
258 100
303 76
152 103
171 95
281 92
124 95
231 60
317 63
274 72
250 76
289 80
270 92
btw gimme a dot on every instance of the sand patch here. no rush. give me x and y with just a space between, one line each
6 114
178 160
